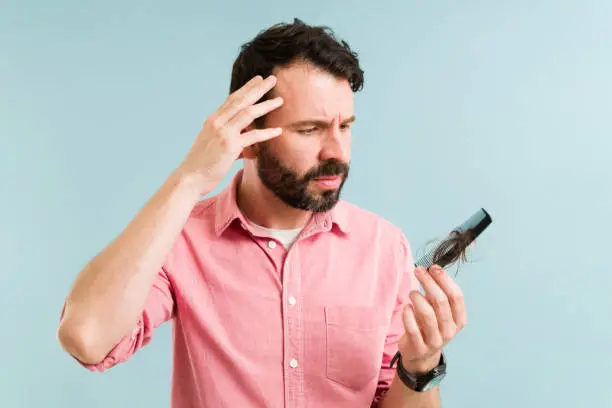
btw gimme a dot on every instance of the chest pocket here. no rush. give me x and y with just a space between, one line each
355 338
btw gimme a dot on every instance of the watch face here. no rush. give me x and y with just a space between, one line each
434 382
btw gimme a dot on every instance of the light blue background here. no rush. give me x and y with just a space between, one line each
502 105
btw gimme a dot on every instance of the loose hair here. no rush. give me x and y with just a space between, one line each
450 250
286 43
453 248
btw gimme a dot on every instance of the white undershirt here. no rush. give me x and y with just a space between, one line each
285 236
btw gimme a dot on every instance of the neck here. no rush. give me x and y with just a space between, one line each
264 208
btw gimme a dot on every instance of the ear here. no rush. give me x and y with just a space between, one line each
249 152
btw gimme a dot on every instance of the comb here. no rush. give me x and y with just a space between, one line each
450 250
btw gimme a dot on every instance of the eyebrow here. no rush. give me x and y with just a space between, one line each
318 122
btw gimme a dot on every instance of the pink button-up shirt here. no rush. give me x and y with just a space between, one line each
256 325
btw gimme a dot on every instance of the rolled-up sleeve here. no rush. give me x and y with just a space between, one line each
407 283
158 309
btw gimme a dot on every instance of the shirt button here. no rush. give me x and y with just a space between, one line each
271 244
293 363
291 300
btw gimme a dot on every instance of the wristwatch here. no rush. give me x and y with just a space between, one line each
422 382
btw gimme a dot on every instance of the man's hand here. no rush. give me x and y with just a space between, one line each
431 321
223 136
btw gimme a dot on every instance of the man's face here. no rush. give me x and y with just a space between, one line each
307 166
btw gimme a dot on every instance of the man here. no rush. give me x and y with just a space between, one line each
280 293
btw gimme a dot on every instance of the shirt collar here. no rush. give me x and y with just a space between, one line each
227 211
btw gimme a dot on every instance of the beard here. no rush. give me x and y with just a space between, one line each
292 189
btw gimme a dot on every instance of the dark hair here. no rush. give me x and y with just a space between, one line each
283 44
450 250
453 248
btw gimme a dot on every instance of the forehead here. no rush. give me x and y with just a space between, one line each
309 92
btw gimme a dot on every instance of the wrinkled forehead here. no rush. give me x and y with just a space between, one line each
309 92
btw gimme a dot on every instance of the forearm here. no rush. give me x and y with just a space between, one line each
109 294
400 396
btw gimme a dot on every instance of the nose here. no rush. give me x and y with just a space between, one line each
336 145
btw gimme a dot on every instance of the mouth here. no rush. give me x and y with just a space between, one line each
328 181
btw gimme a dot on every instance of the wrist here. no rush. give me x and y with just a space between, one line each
421 366
418 375
194 182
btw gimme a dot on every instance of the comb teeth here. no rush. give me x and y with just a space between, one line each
448 251
427 260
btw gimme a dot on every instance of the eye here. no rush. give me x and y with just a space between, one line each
345 126
307 131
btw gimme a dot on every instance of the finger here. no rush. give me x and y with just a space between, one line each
239 93
426 319
439 301
413 337
259 135
243 90
252 112
454 294
245 97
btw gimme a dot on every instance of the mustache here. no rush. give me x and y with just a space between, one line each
328 168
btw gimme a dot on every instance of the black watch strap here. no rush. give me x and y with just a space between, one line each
419 382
